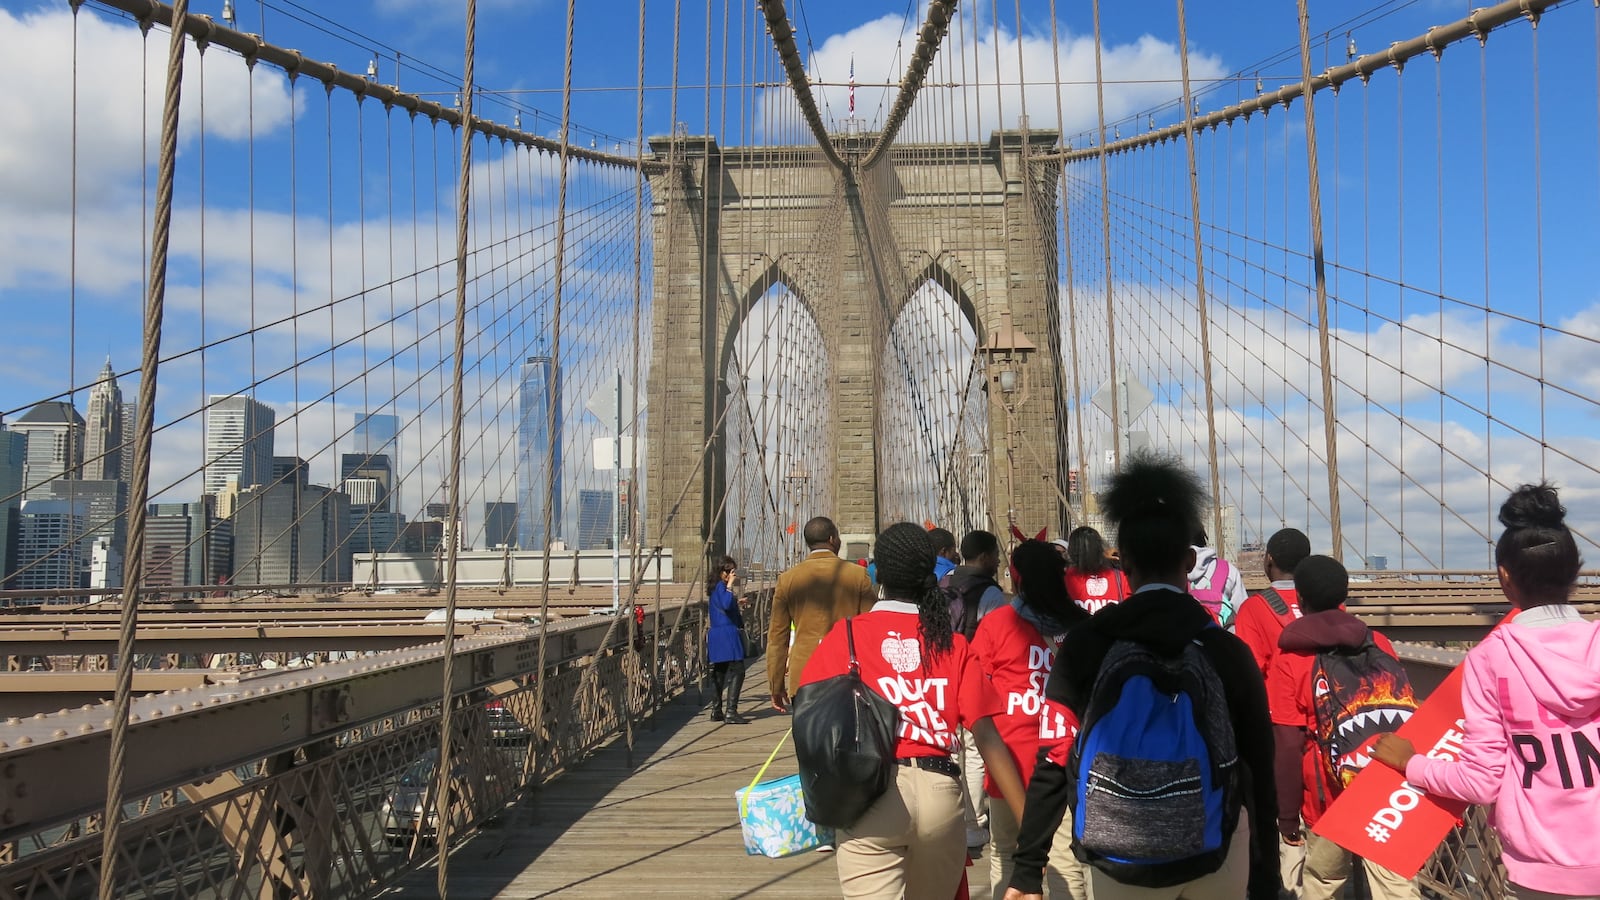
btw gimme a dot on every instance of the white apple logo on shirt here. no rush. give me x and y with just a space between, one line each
1097 586
902 654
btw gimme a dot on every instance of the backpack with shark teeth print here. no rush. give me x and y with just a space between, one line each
1358 694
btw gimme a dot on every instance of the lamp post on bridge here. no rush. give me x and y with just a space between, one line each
1005 355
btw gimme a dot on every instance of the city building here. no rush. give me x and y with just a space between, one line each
238 443
368 467
55 446
499 524
373 531
130 417
289 532
289 470
104 435
377 433
13 457
421 537
105 563
187 544
50 553
595 509
539 446
105 507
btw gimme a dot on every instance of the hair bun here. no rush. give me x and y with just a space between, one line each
1533 506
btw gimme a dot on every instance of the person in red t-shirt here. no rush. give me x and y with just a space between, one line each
1305 779
1263 615
911 841
1092 582
1016 647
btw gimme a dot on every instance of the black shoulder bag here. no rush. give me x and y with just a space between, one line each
844 740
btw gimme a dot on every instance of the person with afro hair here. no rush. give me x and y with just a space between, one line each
1155 503
912 841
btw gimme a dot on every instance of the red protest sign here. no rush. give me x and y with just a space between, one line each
1381 816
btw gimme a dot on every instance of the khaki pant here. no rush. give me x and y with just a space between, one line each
1328 868
1231 882
974 802
1291 865
1065 879
909 844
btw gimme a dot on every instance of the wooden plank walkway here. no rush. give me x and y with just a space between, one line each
666 827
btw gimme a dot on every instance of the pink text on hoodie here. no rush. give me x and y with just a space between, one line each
1531 699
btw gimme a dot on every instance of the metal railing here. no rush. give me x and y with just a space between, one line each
319 782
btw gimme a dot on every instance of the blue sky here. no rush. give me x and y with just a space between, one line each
519 65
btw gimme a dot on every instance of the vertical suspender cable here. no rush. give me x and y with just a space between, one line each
1201 300
1105 239
638 312
144 427
1330 426
551 481
445 768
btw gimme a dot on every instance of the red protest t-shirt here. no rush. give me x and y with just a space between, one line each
1095 591
1290 700
935 695
1258 626
1017 659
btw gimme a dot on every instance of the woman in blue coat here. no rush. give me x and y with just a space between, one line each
725 644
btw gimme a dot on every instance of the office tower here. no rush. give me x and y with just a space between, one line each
187 544
436 512
289 532
372 531
104 435
238 443
377 433
539 439
55 446
129 416
421 537
289 470
105 507
499 524
595 509
50 555
365 472
13 456
105 562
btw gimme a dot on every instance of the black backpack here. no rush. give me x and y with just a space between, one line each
964 595
844 740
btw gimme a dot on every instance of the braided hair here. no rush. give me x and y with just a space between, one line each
905 569
1537 549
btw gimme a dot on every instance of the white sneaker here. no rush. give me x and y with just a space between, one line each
825 848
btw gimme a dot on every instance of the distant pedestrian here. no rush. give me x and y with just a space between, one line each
946 556
908 844
1215 582
1531 693
725 644
1092 582
811 595
1172 709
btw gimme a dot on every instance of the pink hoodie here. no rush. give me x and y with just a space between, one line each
1531 693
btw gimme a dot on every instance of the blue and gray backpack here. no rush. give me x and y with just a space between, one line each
1156 768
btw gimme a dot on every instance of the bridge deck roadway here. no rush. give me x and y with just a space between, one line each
665 827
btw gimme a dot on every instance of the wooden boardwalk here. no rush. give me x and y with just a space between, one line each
666 827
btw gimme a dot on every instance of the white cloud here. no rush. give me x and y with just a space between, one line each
976 107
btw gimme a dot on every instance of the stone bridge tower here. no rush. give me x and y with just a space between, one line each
853 246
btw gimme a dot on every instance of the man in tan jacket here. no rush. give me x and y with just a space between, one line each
812 595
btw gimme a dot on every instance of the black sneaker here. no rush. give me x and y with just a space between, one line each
734 718
716 714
